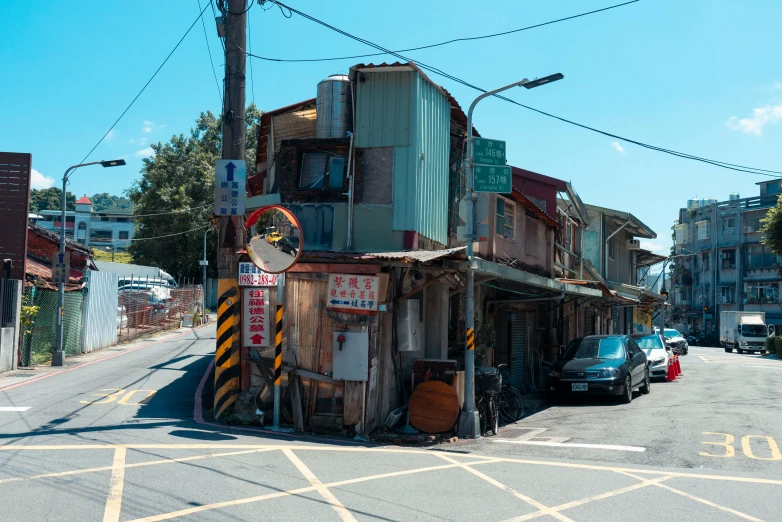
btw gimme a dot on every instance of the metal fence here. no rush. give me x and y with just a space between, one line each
143 312
9 302
99 324
39 343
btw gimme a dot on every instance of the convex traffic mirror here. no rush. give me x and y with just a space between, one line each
274 239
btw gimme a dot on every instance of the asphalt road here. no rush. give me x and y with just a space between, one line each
275 259
95 443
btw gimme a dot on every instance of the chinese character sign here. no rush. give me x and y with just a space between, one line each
251 275
353 292
255 317
492 179
61 267
488 152
230 178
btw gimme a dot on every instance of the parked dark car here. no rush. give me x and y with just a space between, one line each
289 245
603 365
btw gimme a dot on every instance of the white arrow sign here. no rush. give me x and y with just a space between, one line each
61 267
230 192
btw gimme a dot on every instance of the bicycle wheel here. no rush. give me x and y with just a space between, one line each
508 405
520 400
493 415
480 405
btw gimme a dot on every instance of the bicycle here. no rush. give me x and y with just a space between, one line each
509 401
488 384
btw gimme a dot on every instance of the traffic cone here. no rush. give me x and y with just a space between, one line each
678 366
671 371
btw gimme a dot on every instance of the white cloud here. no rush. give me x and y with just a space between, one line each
39 181
761 116
617 147
143 141
131 140
145 153
148 127
657 248
776 86
110 135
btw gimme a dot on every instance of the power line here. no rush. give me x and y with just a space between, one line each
211 61
145 85
182 210
170 235
722 164
447 42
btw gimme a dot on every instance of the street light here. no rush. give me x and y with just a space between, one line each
469 425
58 356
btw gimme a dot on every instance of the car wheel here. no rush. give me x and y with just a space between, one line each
627 396
647 387
729 350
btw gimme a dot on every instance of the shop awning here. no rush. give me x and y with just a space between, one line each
488 268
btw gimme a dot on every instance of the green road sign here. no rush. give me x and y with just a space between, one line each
492 179
488 152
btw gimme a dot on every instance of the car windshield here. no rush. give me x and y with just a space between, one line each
754 330
649 343
672 333
606 348
294 241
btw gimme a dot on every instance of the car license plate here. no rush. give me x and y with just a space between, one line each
579 386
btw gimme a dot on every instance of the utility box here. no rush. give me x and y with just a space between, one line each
351 356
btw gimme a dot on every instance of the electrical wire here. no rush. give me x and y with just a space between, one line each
722 164
447 42
211 60
170 235
224 9
179 211
145 85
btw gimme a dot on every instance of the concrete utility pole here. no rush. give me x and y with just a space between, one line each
230 229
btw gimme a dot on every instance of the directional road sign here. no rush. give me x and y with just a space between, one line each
230 179
488 152
61 267
492 179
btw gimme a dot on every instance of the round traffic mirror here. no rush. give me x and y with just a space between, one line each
274 239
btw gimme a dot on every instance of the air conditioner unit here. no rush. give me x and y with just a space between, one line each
748 230
723 255
633 244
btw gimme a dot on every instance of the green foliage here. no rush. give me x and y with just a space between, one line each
28 314
119 257
105 201
770 344
778 343
771 226
50 199
180 177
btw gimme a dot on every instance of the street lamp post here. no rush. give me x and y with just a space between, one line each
58 356
469 425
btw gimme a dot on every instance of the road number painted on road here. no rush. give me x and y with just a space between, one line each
121 397
746 446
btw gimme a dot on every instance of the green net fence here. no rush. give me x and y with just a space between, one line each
39 342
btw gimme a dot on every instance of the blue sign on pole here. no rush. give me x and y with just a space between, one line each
230 191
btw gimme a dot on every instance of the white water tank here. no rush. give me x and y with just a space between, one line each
334 107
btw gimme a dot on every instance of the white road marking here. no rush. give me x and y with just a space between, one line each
14 408
573 445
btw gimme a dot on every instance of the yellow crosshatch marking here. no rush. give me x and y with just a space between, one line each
298 456
123 396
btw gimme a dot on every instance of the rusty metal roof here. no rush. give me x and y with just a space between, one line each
532 207
417 256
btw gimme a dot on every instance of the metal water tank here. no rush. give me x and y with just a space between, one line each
334 107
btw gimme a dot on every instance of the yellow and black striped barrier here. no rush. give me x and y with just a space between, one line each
227 364
470 339
278 348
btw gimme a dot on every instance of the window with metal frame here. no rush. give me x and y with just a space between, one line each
505 218
321 170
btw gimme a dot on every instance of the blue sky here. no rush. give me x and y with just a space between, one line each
702 77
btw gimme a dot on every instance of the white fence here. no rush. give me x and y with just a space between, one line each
99 324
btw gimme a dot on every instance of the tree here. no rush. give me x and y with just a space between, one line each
105 201
50 199
176 194
771 226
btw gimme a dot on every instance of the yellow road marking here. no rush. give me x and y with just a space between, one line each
701 500
327 495
136 465
608 494
110 397
531 501
728 445
703 358
116 484
145 400
228 503
772 446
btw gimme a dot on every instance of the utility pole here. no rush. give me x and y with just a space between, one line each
230 228
204 264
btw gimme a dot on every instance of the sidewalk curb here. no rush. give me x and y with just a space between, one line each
82 365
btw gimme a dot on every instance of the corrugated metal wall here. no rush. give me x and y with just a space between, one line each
384 111
99 323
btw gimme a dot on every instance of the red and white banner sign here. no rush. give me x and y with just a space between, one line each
255 317
353 292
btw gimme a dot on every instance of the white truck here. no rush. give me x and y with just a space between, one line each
744 331
137 273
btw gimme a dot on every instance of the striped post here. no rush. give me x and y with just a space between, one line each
278 348
470 342
227 366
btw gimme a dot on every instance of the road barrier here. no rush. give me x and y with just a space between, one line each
144 312
671 371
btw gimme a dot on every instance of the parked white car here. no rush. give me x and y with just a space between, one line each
675 340
657 353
